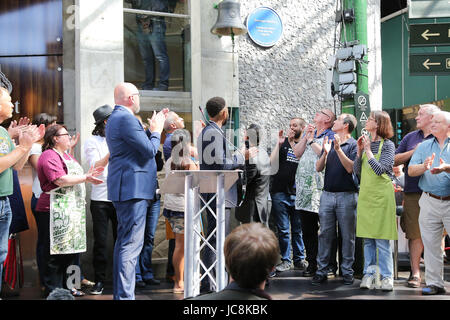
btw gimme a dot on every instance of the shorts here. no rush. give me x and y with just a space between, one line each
177 224
409 221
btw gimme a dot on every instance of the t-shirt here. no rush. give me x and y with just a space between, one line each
337 179
284 179
50 167
408 143
36 149
96 148
173 201
6 177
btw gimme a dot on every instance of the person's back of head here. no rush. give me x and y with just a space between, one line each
214 106
44 118
180 142
251 252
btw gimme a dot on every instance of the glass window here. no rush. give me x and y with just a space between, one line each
157 45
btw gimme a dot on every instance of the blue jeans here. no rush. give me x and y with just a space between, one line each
385 261
283 210
131 216
144 269
5 222
151 46
340 207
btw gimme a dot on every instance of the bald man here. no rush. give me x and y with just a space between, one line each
131 181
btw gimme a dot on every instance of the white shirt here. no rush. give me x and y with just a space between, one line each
173 201
95 148
36 149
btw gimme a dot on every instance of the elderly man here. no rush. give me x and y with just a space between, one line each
131 181
410 217
431 161
11 157
309 182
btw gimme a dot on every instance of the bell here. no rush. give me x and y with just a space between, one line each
229 19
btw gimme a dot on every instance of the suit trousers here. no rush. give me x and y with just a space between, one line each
131 216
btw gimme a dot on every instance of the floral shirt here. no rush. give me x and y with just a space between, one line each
309 182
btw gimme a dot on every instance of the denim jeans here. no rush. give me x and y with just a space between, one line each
151 46
5 222
289 226
144 269
102 212
385 260
340 206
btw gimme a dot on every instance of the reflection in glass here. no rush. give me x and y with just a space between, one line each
156 47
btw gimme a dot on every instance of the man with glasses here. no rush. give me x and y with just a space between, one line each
309 182
131 180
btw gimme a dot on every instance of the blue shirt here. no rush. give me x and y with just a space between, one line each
167 146
409 142
337 179
437 184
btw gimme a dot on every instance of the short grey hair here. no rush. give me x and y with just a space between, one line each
171 116
446 115
430 108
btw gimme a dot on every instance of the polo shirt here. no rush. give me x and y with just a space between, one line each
337 179
437 184
409 142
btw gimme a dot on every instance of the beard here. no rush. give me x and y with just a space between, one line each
297 134
136 109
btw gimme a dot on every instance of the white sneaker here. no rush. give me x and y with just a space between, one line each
368 282
387 284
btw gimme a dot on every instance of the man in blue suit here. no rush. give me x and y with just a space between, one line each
131 182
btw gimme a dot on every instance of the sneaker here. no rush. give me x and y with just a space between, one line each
432 290
284 266
272 273
368 282
301 265
140 284
318 279
331 273
97 289
387 284
348 279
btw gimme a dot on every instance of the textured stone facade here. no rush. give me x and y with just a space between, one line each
288 79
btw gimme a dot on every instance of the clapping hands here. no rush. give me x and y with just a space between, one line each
156 122
93 173
326 145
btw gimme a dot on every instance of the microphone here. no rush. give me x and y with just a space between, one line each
244 184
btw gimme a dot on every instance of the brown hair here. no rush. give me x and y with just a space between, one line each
50 132
383 121
251 252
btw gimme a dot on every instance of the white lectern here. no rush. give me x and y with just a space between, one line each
192 183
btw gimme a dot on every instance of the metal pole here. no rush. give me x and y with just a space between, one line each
196 241
221 276
189 253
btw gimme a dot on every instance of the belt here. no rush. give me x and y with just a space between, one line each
437 197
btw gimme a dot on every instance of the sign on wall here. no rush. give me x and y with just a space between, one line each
264 26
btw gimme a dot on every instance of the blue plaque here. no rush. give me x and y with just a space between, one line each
264 26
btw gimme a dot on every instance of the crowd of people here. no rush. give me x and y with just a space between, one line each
333 205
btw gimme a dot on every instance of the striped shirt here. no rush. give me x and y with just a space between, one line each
384 164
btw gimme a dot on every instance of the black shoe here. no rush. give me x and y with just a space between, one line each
152 282
331 273
348 279
140 284
432 290
318 279
309 272
97 289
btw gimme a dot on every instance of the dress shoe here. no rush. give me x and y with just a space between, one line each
152 282
318 279
309 272
140 284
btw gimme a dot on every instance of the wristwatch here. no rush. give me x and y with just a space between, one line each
312 141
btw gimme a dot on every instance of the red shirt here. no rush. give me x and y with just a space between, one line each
49 168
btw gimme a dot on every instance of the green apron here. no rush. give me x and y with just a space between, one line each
376 203
68 214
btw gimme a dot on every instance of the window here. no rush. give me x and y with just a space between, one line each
157 46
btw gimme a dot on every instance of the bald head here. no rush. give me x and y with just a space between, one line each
126 94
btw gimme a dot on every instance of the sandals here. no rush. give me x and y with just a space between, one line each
178 290
413 282
76 293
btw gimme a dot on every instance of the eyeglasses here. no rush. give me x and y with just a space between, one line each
325 114
136 94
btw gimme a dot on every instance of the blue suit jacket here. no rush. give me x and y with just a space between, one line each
132 166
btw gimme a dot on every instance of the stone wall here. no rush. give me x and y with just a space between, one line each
287 79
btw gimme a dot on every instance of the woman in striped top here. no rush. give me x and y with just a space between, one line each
376 222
